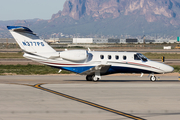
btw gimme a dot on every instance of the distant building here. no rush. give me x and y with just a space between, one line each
82 40
66 40
122 40
131 40
140 40
162 41
103 40
110 40
172 41
100 40
149 41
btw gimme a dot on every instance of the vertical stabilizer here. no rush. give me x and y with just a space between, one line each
28 41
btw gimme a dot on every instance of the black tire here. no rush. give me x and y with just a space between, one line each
89 78
153 78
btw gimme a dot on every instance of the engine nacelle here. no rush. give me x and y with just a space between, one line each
74 55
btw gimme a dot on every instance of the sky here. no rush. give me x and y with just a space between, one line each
29 9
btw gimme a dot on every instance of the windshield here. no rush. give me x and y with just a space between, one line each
142 57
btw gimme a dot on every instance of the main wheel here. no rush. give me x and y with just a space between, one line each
153 78
95 79
89 78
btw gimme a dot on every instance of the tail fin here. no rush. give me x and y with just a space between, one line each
28 41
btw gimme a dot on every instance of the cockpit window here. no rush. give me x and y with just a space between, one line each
136 57
142 57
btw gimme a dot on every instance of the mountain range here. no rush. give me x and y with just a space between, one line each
108 17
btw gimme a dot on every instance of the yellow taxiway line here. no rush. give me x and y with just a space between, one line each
38 86
89 103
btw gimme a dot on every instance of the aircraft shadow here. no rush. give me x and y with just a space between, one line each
101 81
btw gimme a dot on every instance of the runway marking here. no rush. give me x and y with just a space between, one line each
88 103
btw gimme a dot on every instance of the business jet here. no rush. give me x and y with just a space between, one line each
93 64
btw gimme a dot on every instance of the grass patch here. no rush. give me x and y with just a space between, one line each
29 70
159 55
176 68
11 55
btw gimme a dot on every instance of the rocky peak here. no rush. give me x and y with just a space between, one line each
153 10
73 8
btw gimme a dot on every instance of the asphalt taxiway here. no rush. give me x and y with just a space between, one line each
70 97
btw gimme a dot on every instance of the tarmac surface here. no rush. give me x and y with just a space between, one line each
70 97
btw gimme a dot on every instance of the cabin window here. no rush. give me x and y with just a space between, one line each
102 56
136 57
109 57
117 57
124 57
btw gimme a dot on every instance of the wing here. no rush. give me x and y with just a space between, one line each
102 69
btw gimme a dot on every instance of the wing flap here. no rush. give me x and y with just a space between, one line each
100 68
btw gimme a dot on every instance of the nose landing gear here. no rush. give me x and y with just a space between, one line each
153 78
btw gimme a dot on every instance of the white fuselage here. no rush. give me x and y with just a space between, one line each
121 62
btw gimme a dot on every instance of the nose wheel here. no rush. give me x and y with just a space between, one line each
153 78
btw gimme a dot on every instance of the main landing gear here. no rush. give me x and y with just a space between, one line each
94 78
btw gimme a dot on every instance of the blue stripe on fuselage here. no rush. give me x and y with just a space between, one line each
75 69
112 70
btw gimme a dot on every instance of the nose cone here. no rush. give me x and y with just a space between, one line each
162 68
167 69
